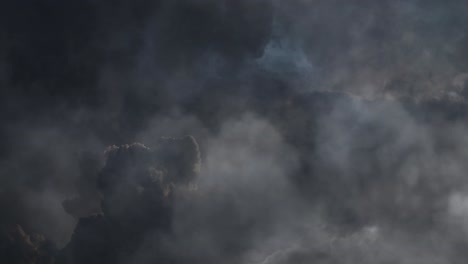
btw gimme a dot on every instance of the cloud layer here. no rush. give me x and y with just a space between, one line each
330 131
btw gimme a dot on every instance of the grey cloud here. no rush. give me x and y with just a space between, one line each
330 131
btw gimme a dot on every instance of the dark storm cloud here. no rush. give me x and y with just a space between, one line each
138 185
409 48
331 131
75 77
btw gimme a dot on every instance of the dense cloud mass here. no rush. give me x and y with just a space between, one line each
243 132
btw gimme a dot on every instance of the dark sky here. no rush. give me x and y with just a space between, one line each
329 130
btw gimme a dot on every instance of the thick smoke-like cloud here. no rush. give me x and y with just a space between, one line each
381 48
330 131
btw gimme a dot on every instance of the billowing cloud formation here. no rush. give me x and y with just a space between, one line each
138 186
332 131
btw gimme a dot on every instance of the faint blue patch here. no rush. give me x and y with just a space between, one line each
285 59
